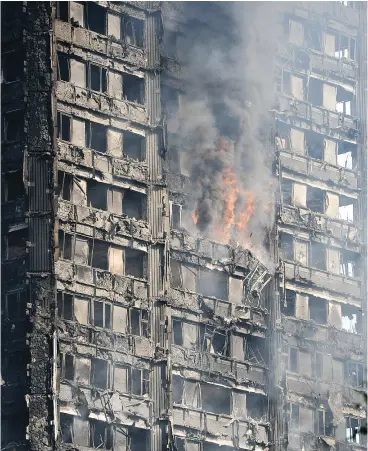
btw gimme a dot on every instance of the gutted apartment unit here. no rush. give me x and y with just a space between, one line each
321 151
124 330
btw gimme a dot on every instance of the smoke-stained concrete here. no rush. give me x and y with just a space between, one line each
234 70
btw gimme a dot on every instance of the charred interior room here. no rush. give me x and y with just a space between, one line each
184 226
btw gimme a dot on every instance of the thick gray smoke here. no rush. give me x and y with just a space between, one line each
229 74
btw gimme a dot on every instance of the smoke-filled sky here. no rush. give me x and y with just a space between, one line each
229 91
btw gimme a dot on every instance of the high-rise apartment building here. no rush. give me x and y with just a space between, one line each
184 224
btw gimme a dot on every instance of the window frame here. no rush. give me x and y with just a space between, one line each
106 319
291 367
207 336
89 136
143 323
103 78
296 407
125 20
355 436
61 117
20 121
63 358
92 378
19 293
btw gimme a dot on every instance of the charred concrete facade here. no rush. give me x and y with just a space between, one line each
121 328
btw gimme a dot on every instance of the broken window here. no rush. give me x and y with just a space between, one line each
354 374
100 373
13 186
318 370
289 304
314 144
15 305
344 102
287 246
139 382
66 426
351 318
214 340
65 305
318 309
95 17
255 350
296 33
344 47
12 65
133 89
294 416
315 92
216 399
133 204
101 314
63 66
133 31
315 199
63 124
179 444
134 146
14 425
139 321
185 333
175 216
96 136
177 332
346 208
98 255
354 430
96 78
16 243
97 195
315 37
134 263
282 136
137 439
15 368
256 405
347 155
293 360
349 263
323 423
62 11
65 245
213 283
318 255
100 435
81 250
65 183
287 191
131 380
67 366
176 274
13 125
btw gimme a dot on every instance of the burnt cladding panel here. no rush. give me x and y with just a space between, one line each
39 183
39 252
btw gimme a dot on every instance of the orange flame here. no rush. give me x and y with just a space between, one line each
233 220
195 216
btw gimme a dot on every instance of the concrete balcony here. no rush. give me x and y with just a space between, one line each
101 103
111 167
89 40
